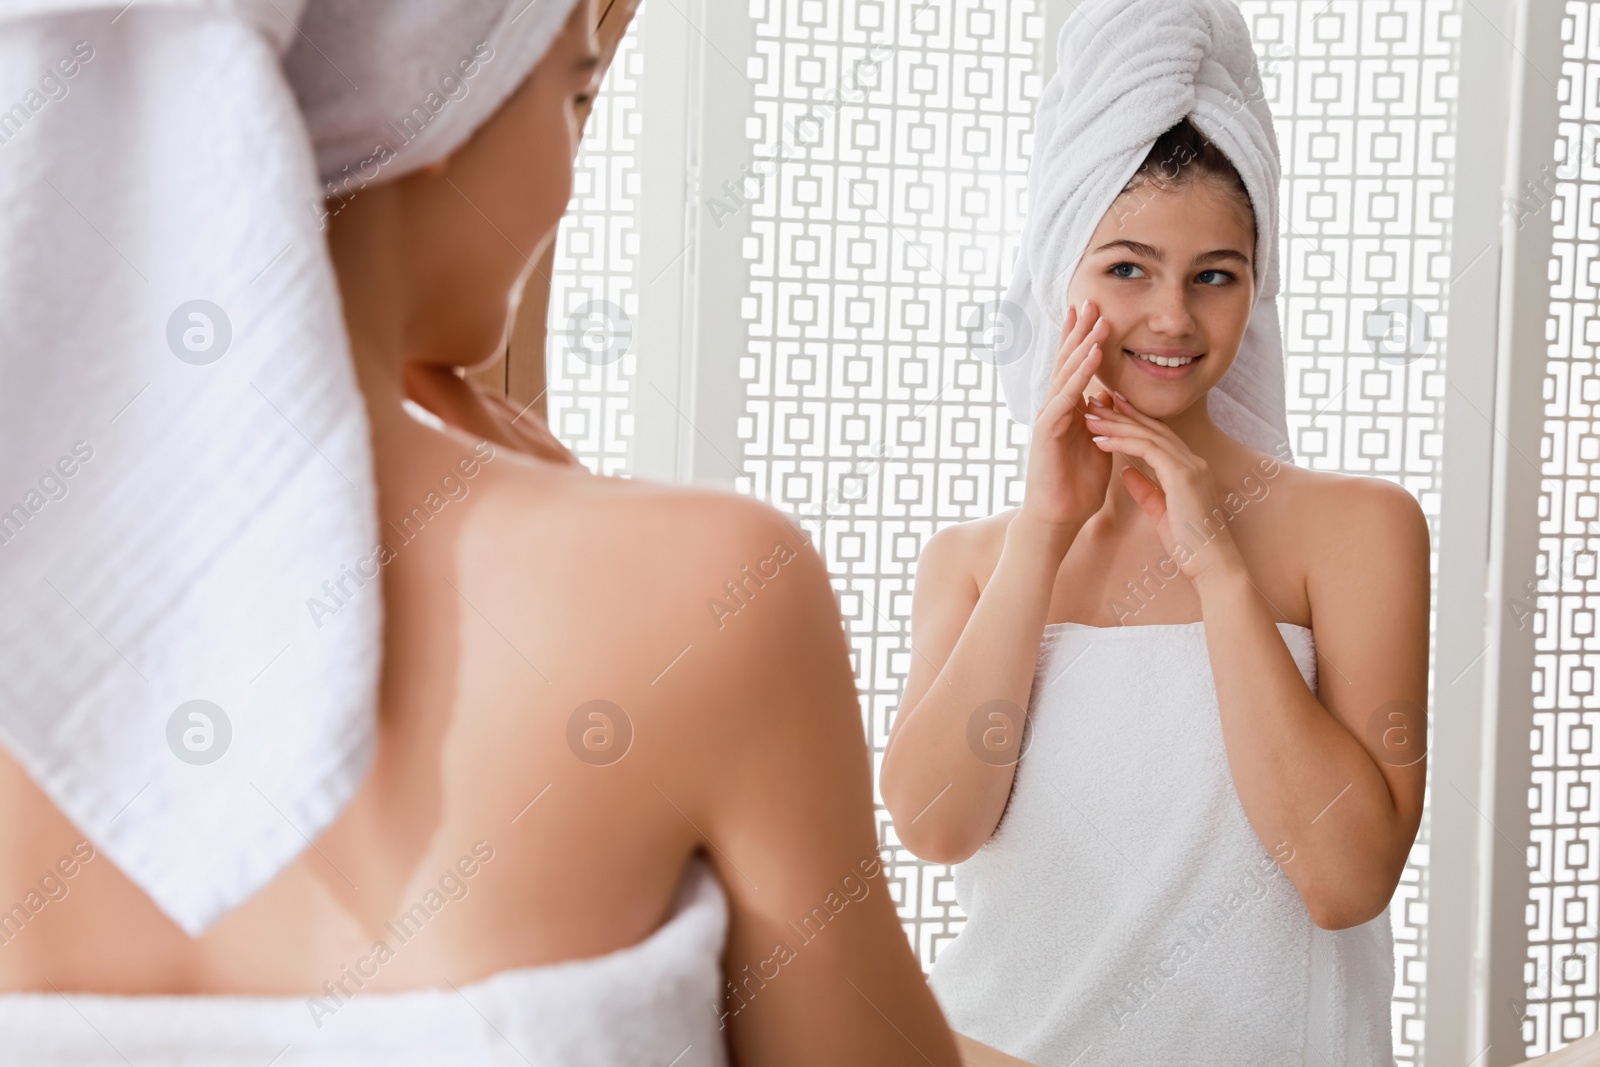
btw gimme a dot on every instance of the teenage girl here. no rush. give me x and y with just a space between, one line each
1152 605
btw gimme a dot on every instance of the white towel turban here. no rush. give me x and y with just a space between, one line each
1128 71
186 460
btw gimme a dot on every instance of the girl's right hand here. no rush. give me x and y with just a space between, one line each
1067 473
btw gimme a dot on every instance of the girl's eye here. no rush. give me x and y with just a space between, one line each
1222 274
1130 266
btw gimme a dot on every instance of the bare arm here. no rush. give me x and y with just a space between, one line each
819 968
1339 780
953 750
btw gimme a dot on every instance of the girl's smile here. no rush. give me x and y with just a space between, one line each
1174 281
1165 363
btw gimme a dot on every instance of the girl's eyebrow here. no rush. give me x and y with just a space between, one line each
1139 248
1223 254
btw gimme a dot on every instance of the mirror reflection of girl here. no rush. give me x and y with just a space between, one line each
534 590
1188 854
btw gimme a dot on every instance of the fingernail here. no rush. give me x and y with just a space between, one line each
1100 440
1119 396
1094 401
1092 415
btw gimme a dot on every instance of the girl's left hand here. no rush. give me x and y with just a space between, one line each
1182 499
462 404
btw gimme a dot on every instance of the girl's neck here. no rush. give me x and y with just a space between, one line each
373 289
378 286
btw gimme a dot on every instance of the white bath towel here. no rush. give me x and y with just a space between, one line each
1128 71
1125 913
185 468
653 1003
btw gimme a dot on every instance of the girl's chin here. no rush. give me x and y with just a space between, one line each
1161 400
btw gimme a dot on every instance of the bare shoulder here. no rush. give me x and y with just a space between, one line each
1351 531
1328 505
651 546
685 604
965 552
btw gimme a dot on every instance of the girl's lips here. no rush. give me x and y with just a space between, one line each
1165 373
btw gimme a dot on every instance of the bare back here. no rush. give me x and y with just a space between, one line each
510 611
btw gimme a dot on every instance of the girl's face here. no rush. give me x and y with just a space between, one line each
1170 271
478 235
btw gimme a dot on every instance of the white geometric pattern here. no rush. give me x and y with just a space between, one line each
1562 999
904 127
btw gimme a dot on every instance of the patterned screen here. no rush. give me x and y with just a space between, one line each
898 134
872 250
590 354
1564 876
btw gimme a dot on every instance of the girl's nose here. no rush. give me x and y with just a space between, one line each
1169 312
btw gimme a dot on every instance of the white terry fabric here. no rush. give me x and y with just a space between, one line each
429 72
164 519
649 1003
1124 911
1128 71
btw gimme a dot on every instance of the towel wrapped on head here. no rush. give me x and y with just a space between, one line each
192 634
1128 71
